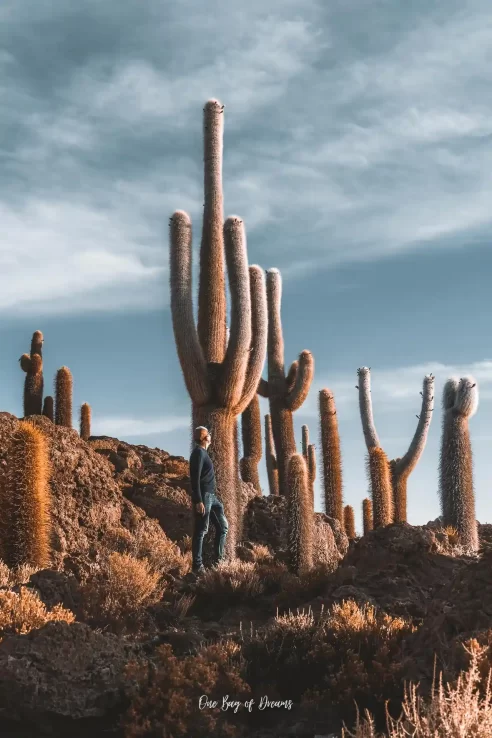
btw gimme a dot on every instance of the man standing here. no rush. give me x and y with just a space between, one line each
206 504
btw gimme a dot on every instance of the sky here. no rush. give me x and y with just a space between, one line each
357 150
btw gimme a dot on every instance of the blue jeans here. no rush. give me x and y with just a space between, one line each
214 509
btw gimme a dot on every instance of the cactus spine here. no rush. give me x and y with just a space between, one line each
25 524
382 494
331 457
221 376
400 468
286 394
367 515
32 364
460 403
49 408
251 435
63 397
300 517
85 421
349 520
271 459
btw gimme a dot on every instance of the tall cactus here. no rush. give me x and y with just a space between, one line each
49 408
63 397
271 459
299 516
251 435
25 503
400 468
37 343
349 519
85 421
33 384
380 478
331 457
221 377
460 403
367 521
286 394
309 454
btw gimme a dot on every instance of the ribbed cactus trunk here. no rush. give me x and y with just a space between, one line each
271 459
25 500
85 421
33 385
309 455
286 394
49 408
251 436
460 403
221 375
400 468
299 517
63 397
381 490
331 457
349 518
367 520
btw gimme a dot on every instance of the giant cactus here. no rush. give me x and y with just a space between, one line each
349 521
271 459
285 393
32 364
221 376
331 457
460 403
85 421
63 397
25 503
309 454
251 435
400 468
300 519
380 478
367 521
49 408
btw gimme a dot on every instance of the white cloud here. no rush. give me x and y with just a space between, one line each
125 427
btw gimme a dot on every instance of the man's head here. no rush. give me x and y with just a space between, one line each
202 437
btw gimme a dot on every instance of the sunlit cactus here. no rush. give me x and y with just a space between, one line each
25 503
381 491
221 376
367 521
309 454
37 343
33 384
49 408
63 397
460 403
251 435
300 519
349 521
401 467
271 459
331 457
286 393
85 421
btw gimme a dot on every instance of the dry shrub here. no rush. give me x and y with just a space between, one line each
17 575
251 552
185 544
164 695
349 652
151 543
453 711
449 542
118 590
23 611
231 582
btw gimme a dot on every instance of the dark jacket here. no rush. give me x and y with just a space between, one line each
202 474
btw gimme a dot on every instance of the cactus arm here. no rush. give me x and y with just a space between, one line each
263 388
365 406
304 377
229 390
449 393
25 363
259 332
408 462
292 375
305 441
188 346
212 307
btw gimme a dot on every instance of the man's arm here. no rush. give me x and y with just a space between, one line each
196 463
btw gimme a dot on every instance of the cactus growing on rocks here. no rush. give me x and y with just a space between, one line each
299 516
367 521
286 394
63 397
460 403
251 435
85 421
381 490
25 507
400 468
221 376
349 521
49 408
331 457
271 459
33 385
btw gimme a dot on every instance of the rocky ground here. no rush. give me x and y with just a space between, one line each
62 678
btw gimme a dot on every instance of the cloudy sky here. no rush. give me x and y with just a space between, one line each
357 150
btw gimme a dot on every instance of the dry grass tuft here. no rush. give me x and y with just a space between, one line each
18 575
24 611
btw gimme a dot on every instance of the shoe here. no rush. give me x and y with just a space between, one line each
200 570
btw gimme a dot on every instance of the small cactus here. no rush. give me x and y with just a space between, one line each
382 496
49 408
367 515
271 459
63 397
25 507
349 521
85 421
299 516
251 435
460 403
331 457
